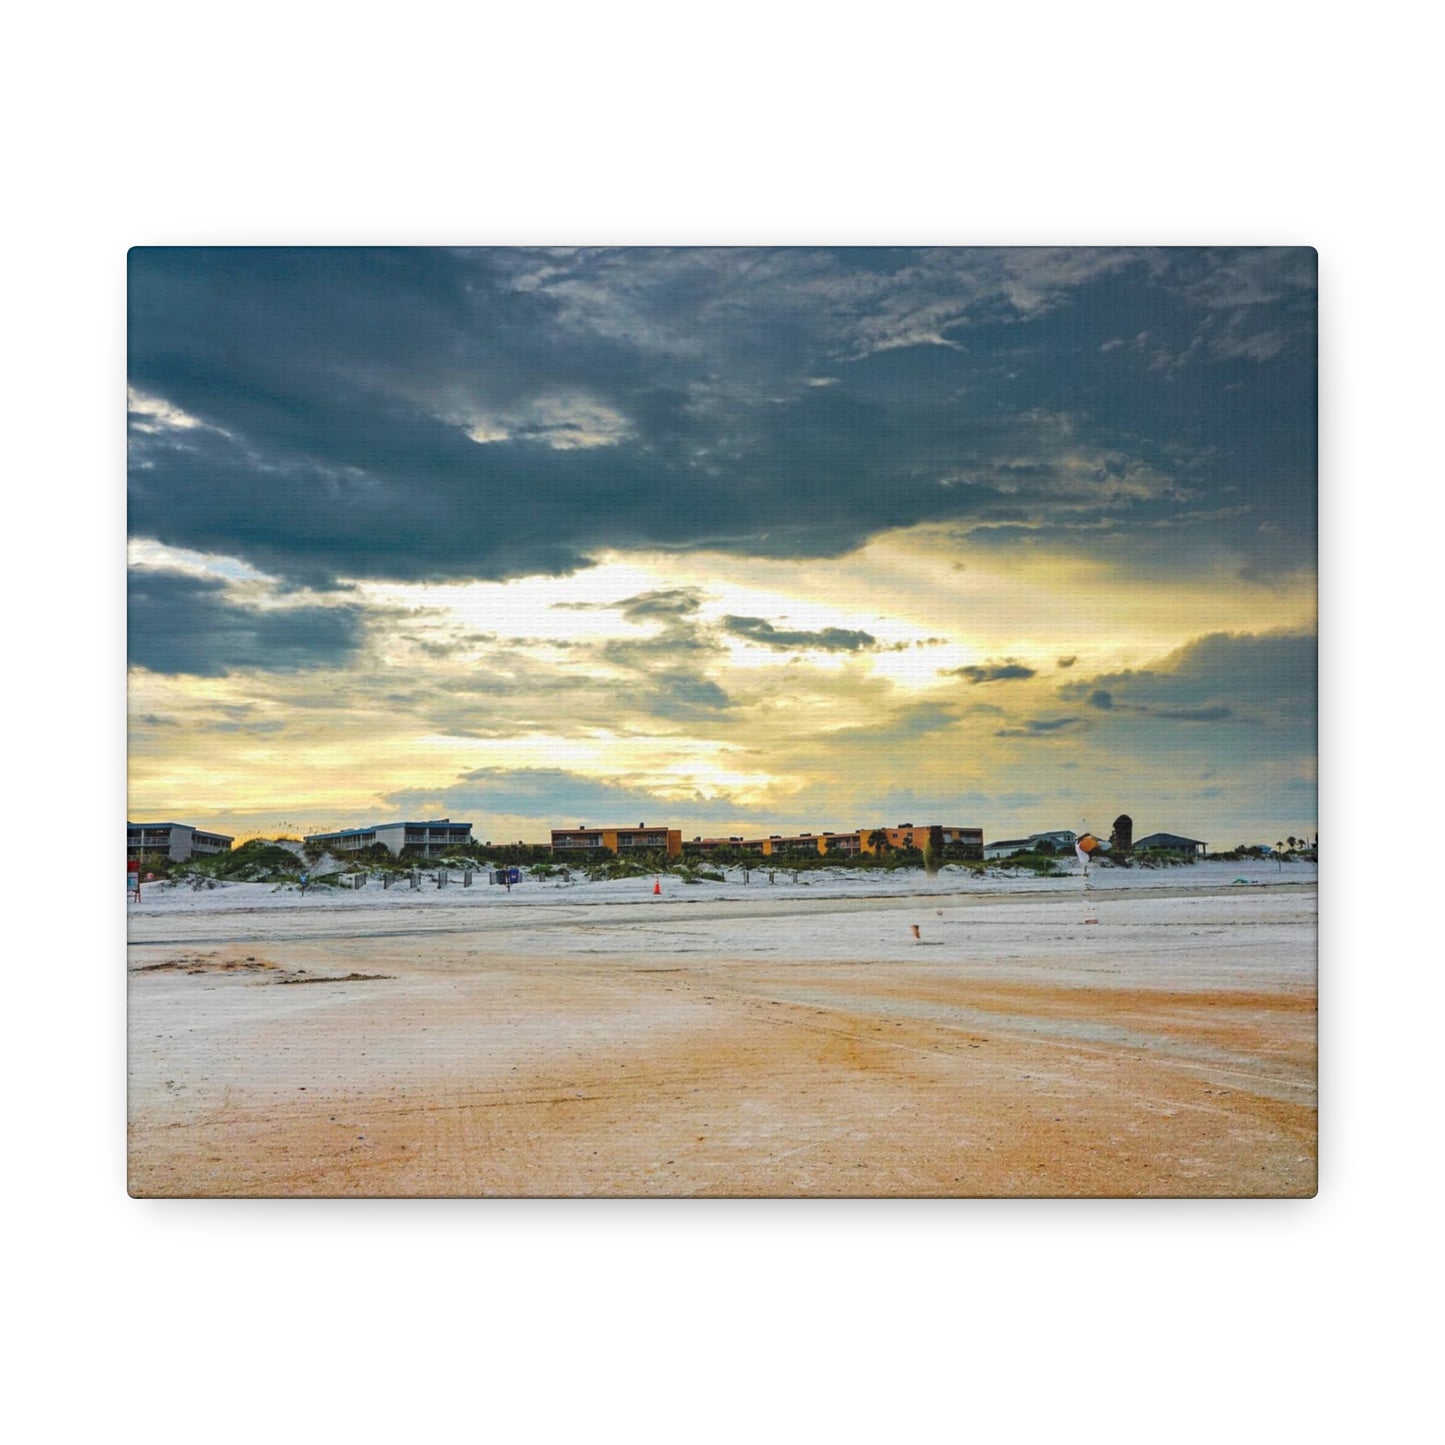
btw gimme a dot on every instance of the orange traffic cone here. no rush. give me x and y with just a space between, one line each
657 885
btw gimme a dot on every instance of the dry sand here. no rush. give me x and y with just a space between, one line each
768 1046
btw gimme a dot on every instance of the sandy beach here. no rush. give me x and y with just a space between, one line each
787 1039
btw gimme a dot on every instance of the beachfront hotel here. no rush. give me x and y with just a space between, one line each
859 841
430 839
178 841
583 839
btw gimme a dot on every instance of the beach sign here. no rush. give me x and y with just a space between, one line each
132 876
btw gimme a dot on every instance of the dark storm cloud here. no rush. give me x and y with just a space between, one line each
643 652
683 632
685 696
672 602
185 624
828 639
421 414
1266 679
1006 671
274 725
446 649
1042 727
1195 714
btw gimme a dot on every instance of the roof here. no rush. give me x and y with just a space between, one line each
646 827
1167 840
191 827
354 832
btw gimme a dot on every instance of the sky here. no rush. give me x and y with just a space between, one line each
733 541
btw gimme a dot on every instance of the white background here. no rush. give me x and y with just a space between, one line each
647 123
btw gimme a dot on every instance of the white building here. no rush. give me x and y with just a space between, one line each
431 839
1061 840
178 841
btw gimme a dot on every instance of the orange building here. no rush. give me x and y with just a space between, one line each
861 840
768 847
640 839
905 835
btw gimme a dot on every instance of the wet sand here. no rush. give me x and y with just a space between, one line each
756 1049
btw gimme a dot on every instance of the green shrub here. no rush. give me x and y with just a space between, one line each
698 875
1033 863
1162 858
614 868
257 861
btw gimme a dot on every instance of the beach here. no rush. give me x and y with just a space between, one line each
1153 1035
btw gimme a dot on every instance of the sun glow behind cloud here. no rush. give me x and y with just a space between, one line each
552 674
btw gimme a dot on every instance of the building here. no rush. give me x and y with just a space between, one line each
1059 841
906 835
641 839
1170 843
859 841
703 847
178 841
970 840
779 845
431 839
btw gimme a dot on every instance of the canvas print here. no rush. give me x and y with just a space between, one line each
768 722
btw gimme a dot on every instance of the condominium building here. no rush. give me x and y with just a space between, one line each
178 841
943 835
640 839
859 841
430 839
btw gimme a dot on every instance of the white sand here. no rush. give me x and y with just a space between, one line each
1154 1035
164 900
